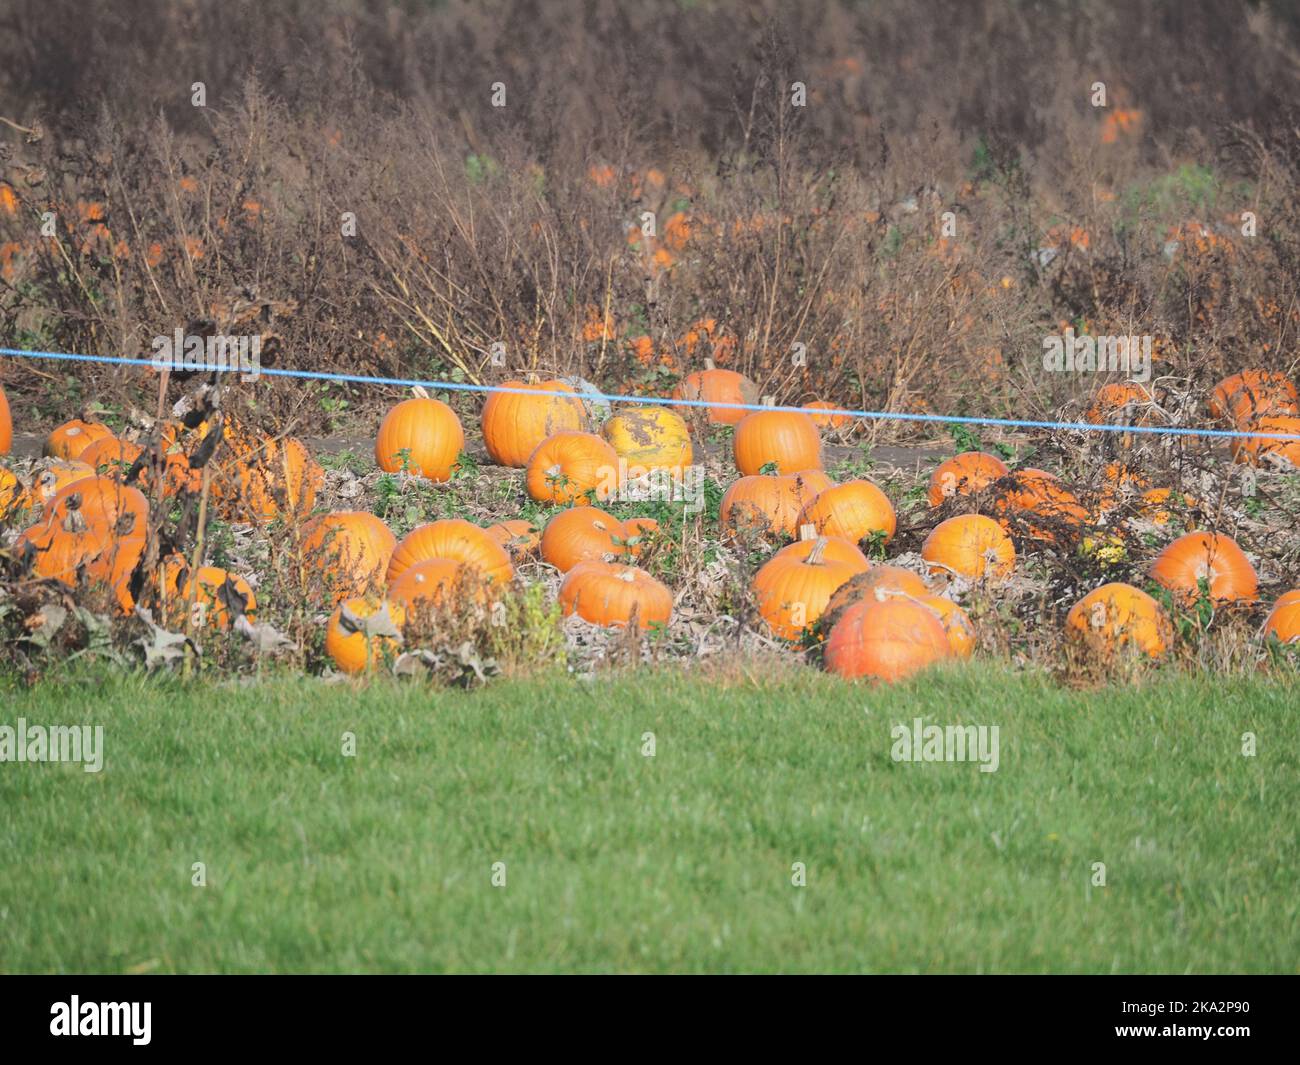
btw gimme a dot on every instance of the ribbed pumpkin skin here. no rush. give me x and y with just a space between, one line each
956 625
572 467
1261 451
717 386
880 581
964 474
211 588
111 454
1252 394
432 581
514 424
793 591
834 549
886 640
1032 491
56 477
1284 619
348 552
70 439
519 537
1213 556
854 510
767 503
1118 617
971 546
6 425
607 594
650 438
428 430
455 539
352 652
583 534
788 438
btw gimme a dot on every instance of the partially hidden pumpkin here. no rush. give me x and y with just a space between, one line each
257 478
964 474
363 633
788 439
1267 450
421 435
6 425
827 420
886 640
70 439
520 537
1213 558
572 467
1030 493
455 539
213 597
514 422
347 553
714 386
956 624
1284 619
1116 618
1250 394
614 595
769 504
971 546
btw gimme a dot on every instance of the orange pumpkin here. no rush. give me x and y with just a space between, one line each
519 537
111 456
613 595
54 478
432 581
854 510
1266 451
217 597
1157 503
455 539
353 638
514 423
70 439
427 431
877 583
348 552
956 624
1251 394
1118 617
834 549
794 588
582 534
1211 557
1037 492
769 504
787 438
259 478
712 385
1113 398
572 467
964 474
13 496
827 421
971 546
886 640
1284 619
6 425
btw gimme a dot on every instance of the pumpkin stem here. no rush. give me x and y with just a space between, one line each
815 555
554 471
709 364
627 575
807 531
769 401
420 392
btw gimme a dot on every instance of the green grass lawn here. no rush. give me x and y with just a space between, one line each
677 862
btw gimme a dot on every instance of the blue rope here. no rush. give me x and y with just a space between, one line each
455 386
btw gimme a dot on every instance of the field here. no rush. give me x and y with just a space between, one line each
757 376
615 861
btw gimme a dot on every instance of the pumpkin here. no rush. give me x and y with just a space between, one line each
95 526
218 597
54 478
582 534
6 425
70 439
455 539
433 581
348 551
613 595
1157 503
886 640
650 438
1037 492
514 423
971 546
956 624
427 431
787 438
361 633
1251 394
877 583
964 474
519 537
793 588
769 504
854 510
13 496
827 421
1112 399
1118 617
1212 557
1264 451
260 478
1284 619
636 532
111 456
572 467
712 385
833 548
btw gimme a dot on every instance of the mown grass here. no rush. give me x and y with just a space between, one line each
616 861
